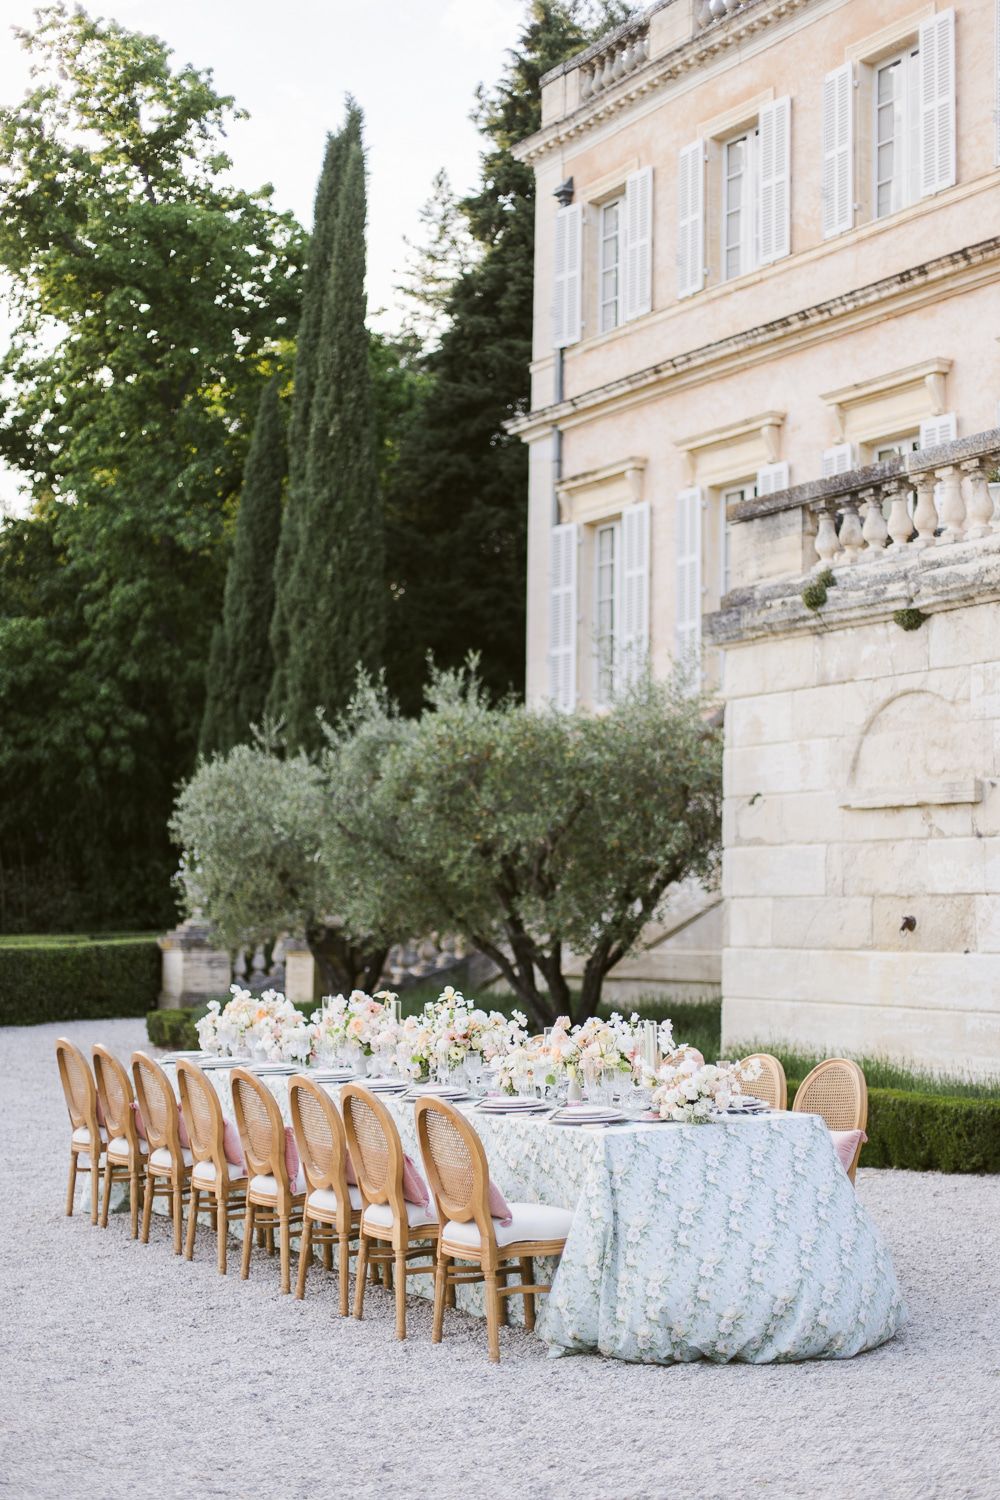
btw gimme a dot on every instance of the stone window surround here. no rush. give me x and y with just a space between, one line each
871 411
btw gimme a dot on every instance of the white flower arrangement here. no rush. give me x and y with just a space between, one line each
265 1025
696 1094
357 1021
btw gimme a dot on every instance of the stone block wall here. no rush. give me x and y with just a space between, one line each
862 828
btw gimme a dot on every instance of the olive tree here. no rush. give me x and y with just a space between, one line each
251 827
533 834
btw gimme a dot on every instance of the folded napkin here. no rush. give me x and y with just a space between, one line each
415 1189
845 1143
140 1123
499 1207
231 1147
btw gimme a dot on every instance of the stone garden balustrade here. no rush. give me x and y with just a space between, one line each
894 511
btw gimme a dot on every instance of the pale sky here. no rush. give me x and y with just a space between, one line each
413 66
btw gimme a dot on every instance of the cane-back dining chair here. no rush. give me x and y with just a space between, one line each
392 1231
86 1143
125 1156
836 1090
770 1084
211 1174
460 1178
332 1212
274 1201
168 1163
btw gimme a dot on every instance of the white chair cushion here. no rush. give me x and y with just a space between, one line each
161 1157
81 1135
530 1221
379 1215
267 1187
325 1199
119 1147
204 1171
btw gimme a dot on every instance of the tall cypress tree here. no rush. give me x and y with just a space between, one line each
240 665
336 620
288 600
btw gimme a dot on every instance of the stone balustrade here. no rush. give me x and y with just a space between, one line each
932 499
623 52
708 12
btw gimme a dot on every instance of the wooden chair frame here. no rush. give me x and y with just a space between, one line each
158 1106
80 1091
114 1090
264 1154
198 1100
402 1243
495 1263
772 1085
837 1091
320 1226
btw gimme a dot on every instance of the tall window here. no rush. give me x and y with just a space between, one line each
731 496
605 612
897 133
739 209
611 265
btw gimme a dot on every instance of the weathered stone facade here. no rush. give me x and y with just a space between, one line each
862 780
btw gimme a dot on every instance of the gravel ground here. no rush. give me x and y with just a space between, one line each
127 1372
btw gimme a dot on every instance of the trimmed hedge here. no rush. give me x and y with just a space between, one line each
77 980
928 1132
932 1132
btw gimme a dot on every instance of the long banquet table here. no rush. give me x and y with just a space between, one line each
742 1239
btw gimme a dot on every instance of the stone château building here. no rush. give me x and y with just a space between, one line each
767 312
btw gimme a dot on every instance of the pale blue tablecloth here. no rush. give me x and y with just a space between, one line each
742 1239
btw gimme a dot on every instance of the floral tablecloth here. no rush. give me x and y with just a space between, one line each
742 1239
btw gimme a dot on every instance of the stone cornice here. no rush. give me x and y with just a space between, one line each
704 45
912 287
940 578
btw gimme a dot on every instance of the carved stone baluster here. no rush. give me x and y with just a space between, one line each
874 531
258 973
925 517
951 506
608 75
597 79
618 66
900 521
240 967
641 51
979 505
851 537
586 87
827 545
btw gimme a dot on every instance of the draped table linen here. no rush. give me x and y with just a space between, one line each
742 1239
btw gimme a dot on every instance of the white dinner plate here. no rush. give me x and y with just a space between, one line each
588 1117
438 1091
274 1068
331 1075
512 1106
384 1085
211 1063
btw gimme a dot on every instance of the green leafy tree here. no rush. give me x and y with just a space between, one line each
533 835
456 513
240 663
337 613
250 825
152 299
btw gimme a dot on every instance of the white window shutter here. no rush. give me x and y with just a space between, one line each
691 219
687 626
563 547
838 150
634 616
936 430
567 279
937 102
838 460
772 477
638 243
774 167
